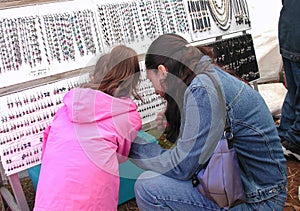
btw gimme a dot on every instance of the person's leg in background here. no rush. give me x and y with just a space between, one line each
289 128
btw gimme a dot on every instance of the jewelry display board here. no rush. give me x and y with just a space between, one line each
53 39
47 39
237 54
213 18
138 23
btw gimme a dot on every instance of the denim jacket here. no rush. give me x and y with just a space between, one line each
289 30
256 140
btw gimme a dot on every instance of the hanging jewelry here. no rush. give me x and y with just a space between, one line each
44 39
105 24
162 17
36 53
69 36
137 19
87 34
204 12
17 61
169 15
116 23
76 32
221 13
127 24
4 47
241 12
9 53
148 16
196 26
55 36
179 14
92 15
48 36
65 36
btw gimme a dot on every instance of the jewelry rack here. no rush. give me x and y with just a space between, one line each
210 18
55 48
237 54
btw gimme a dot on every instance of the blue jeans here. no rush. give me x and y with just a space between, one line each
154 191
289 127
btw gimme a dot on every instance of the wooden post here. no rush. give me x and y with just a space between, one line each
18 192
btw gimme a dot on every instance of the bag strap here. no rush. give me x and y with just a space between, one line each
210 145
204 157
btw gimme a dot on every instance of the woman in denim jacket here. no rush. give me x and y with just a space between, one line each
192 114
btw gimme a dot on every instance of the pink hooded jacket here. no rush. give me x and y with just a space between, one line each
82 149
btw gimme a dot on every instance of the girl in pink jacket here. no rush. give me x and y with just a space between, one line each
88 138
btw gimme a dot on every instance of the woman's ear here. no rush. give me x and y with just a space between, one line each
162 69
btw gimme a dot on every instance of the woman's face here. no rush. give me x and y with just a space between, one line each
157 77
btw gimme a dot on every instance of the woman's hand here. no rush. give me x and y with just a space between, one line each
161 122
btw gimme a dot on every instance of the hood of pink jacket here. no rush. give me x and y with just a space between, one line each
101 118
88 105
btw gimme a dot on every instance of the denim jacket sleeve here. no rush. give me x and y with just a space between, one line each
197 126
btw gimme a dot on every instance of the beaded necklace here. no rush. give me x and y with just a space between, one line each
221 14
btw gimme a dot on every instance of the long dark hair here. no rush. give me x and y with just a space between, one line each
173 52
170 50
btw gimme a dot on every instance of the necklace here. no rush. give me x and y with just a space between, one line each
221 13
241 12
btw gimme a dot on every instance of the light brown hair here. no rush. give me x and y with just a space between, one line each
117 73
